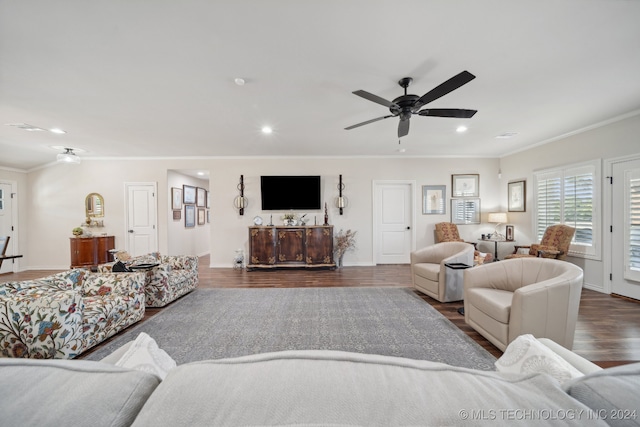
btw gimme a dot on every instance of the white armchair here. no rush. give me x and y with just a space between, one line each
429 272
537 296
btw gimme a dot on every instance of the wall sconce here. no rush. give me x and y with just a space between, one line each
240 202
341 202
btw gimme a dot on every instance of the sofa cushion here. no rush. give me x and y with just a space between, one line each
428 271
63 392
319 388
612 393
495 303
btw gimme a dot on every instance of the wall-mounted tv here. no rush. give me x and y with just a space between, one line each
280 193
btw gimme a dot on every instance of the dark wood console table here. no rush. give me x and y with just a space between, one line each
88 252
291 246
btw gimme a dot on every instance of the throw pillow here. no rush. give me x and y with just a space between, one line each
526 355
145 355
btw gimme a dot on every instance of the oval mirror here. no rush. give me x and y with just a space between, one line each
94 205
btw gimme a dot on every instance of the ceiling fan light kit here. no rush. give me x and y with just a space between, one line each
407 105
68 157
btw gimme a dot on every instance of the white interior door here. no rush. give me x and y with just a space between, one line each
393 222
625 239
142 213
6 226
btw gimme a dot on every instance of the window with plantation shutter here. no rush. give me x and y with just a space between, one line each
632 225
571 196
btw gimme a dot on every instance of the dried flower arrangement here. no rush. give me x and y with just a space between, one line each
344 240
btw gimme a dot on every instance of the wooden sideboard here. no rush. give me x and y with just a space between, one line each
90 251
291 246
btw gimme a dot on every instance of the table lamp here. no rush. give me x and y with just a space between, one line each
498 218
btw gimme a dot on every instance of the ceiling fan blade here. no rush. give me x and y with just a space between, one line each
403 128
373 98
450 85
448 112
368 121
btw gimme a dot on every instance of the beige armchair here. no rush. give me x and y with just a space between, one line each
537 296
430 275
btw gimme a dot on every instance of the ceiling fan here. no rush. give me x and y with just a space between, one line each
406 105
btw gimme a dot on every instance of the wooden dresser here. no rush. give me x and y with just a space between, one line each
90 251
291 246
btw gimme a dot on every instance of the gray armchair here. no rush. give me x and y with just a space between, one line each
537 296
429 272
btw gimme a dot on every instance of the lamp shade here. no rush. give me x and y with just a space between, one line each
497 217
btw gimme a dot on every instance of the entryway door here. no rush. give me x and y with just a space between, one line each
393 219
625 234
142 214
7 224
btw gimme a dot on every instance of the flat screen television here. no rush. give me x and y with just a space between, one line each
280 193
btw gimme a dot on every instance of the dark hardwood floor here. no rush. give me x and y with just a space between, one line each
607 333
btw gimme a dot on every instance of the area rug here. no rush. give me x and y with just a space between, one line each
220 323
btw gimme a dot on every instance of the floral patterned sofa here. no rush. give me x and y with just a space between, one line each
175 275
63 315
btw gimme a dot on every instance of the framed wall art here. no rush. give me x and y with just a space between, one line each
189 216
177 215
176 198
188 195
433 199
201 198
509 233
201 217
465 211
465 185
517 193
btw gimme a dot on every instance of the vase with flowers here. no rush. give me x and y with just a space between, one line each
289 219
344 241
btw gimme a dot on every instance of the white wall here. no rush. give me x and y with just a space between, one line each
55 199
618 139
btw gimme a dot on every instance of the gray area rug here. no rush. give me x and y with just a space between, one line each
220 323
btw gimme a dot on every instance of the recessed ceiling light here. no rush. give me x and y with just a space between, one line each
401 150
239 81
461 129
267 130
57 130
506 135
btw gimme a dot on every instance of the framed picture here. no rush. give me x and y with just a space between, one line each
465 185
201 199
433 199
509 233
189 216
517 193
189 194
177 215
201 216
465 211
176 199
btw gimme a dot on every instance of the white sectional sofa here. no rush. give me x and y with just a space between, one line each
312 388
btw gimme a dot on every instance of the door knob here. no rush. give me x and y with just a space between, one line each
130 231
408 228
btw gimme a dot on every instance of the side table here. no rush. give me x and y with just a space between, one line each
496 241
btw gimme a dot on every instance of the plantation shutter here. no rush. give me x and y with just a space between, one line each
632 225
548 201
570 196
578 203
